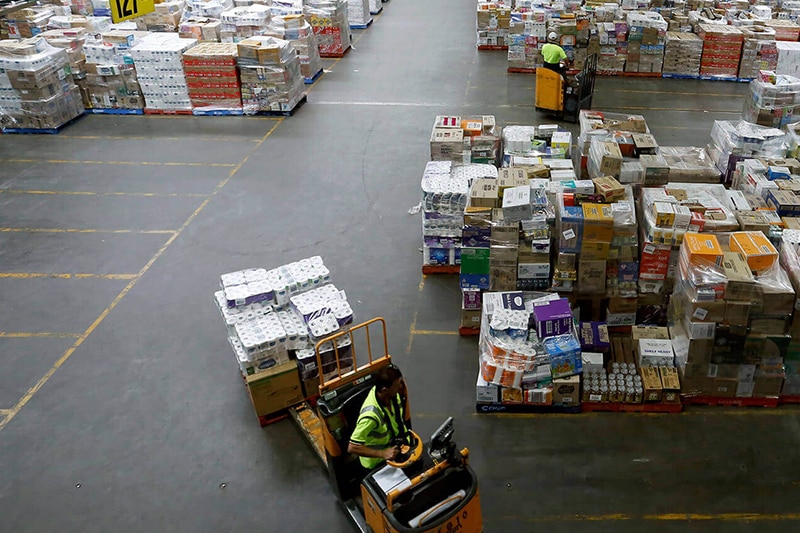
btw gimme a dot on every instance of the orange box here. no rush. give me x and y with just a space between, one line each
598 222
471 127
702 247
756 248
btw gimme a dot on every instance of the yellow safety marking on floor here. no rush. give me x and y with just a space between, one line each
99 320
78 230
107 193
4 412
666 517
433 332
422 282
151 163
37 275
36 335
411 332
144 138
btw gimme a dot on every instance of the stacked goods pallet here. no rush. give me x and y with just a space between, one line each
464 140
73 40
10 101
646 41
722 49
295 29
734 141
613 47
270 75
790 261
92 24
759 51
201 20
730 314
493 23
682 54
788 58
358 13
30 21
774 100
242 23
40 75
212 77
525 40
274 319
785 30
329 20
166 17
159 65
112 81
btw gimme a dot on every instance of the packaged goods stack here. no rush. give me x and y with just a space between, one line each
734 141
788 58
295 29
10 100
101 8
270 75
241 23
613 46
166 17
159 65
690 164
358 13
608 126
30 21
76 7
525 39
201 19
465 140
785 30
73 40
789 10
529 352
375 6
646 40
682 54
92 24
40 75
445 191
763 193
774 100
212 78
112 81
534 147
730 315
494 21
273 319
722 50
329 20
759 51
790 261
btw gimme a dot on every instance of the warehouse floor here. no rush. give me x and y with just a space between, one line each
120 405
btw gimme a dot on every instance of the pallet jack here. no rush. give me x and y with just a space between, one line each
563 97
428 488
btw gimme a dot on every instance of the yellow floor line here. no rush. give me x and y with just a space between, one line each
151 163
411 333
110 193
184 117
665 517
433 332
78 230
37 275
154 138
36 335
99 320
4 412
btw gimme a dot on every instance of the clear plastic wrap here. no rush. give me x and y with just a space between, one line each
295 29
600 124
358 12
159 66
270 75
241 23
212 77
746 139
329 20
690 164
166 18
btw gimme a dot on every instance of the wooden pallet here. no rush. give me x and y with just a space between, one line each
285 113
441 269
729 402
612 407
469 332
150 111
42 131
492 47
789 400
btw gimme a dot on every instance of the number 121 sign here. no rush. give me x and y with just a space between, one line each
128 9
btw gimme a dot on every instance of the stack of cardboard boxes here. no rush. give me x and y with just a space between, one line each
494 20
722 49
244 22
464 140
270 75
112 81
525 40
646 40
165 18
774 100
295 29
682 54
785 30
329 20
734 141
72 40
759 51
212 77
358 13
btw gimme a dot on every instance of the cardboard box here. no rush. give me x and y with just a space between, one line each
486 392
594 250
592 362
664 213
767 385
618 305
567 391
591 276
737 313
311 387
651 382
475 264
610 157
484 193
553 318
609 188
598 222
702 247
670 384
275 389
724 387
759 253
470 318
447 144
741 283
656 169
649 332
644 143
517 203
470 299
655 353
510 395
511 177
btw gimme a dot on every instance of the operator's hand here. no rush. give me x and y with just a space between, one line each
391 452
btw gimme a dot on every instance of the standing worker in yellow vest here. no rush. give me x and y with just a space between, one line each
383 420
553 54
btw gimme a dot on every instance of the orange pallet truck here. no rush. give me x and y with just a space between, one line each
564 97
429 488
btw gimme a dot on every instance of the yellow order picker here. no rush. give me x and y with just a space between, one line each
428 488
563 97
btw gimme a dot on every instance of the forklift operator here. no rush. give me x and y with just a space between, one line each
382 421
553 54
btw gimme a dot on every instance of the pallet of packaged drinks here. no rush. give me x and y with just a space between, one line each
441 269
361 26
114 111
152 111
789 400
42 131
287 113
729 402
217 112
492 47
312 79
334 55
618 407
469 332
522 408
680 76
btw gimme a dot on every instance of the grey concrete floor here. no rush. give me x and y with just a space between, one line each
121 408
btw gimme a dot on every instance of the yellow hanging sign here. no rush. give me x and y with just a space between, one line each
128 9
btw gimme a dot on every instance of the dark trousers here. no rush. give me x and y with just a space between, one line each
556 67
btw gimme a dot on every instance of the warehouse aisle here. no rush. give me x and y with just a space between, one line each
120 405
